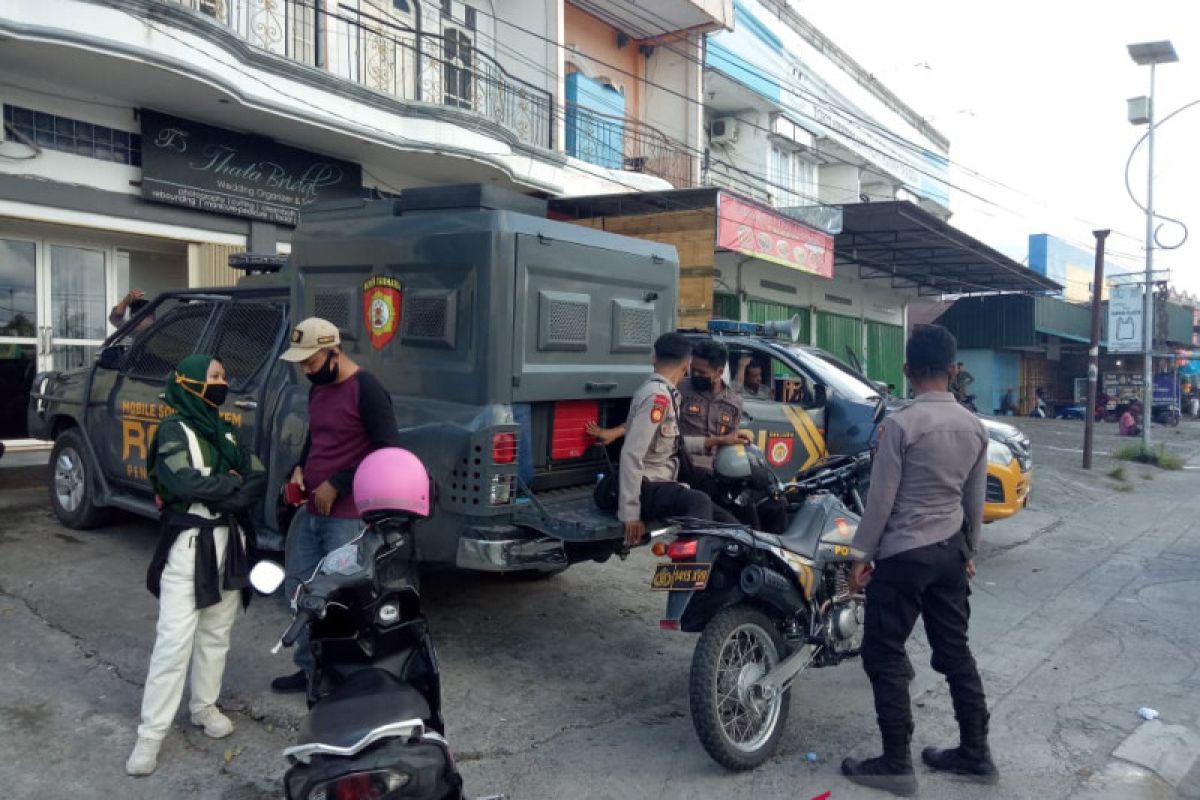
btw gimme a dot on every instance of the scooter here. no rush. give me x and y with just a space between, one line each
374 727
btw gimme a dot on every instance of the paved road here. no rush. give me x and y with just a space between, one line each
566 688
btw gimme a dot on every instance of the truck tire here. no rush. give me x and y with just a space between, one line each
72 479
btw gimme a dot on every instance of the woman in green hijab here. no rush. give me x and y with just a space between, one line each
204 482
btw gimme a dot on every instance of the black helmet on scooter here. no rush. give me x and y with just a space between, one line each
744 465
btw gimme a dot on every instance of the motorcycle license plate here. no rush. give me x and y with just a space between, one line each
680 577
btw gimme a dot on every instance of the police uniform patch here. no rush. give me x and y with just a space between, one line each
659 409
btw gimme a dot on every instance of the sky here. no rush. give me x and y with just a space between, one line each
1031 94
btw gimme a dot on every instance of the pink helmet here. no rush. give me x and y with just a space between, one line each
392 479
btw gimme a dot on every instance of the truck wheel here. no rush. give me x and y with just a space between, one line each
738 727
71 483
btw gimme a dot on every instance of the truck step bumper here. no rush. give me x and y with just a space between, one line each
541 554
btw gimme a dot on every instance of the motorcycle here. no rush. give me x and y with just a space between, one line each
767 607
374 727
1165 414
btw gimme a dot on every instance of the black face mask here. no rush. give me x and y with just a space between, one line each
326 374
215 393
702 384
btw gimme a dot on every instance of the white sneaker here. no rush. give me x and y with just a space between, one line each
214 723
144 758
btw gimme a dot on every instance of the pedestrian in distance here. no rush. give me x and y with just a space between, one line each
921 528
204 483
349 417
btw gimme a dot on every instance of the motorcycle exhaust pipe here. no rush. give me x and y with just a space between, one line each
771 587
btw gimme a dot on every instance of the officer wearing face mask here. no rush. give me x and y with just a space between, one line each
708 406
349 416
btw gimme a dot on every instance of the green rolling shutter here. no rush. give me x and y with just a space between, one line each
885 353
835 333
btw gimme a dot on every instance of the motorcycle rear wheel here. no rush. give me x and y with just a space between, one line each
736 725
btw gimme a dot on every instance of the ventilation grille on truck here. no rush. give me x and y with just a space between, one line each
633 326
562 320
430 317
334 307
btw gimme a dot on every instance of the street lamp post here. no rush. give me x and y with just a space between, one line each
1151 54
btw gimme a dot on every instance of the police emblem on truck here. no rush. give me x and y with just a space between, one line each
383 303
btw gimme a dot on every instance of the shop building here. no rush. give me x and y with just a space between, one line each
146 141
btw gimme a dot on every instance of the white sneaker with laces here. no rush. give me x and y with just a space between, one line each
144 758
215 724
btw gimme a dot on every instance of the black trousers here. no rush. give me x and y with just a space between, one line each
662 499
930 582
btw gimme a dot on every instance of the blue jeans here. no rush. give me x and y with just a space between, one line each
309 539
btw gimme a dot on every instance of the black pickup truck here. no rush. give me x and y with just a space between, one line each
498 333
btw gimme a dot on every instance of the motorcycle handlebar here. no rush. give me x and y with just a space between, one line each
302 618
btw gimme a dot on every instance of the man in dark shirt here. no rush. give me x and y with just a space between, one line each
921 528
349 416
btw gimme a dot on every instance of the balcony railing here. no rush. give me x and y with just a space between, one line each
388 56
628 144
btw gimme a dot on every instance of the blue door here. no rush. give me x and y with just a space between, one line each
595 122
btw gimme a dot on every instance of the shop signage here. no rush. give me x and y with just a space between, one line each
745 228
210 169
1125 319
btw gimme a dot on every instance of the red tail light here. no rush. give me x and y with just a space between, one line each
668 624
504 448
682 549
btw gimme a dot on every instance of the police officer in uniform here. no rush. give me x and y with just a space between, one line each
650 457
921 528
707 406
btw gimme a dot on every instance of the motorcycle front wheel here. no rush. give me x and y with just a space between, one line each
738 727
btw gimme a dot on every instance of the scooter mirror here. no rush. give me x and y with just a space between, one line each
266 576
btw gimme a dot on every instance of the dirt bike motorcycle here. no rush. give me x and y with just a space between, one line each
374 729
767 607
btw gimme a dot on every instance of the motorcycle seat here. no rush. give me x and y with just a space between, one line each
369 699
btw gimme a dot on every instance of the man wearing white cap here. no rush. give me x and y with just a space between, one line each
349 416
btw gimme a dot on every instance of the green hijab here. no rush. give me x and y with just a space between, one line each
184 388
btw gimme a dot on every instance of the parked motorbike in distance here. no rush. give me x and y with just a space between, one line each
1165 414
767 607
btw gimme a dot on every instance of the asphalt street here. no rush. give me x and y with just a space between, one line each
1083 613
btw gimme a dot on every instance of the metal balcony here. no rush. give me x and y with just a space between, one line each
628 144
383 54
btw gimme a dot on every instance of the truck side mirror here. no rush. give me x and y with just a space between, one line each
820 395
110 357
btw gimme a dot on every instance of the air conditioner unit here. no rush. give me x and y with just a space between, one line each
723 130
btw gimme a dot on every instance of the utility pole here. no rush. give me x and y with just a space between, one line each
1089 428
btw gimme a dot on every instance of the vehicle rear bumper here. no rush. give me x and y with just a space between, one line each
512 553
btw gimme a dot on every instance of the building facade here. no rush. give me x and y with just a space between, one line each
145 141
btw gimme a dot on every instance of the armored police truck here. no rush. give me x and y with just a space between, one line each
499 333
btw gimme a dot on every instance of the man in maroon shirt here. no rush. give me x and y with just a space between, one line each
349 416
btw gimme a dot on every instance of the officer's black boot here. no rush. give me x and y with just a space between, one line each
972 758
890 772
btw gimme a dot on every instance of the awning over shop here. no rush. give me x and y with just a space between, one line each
899 242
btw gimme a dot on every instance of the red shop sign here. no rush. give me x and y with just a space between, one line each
746 228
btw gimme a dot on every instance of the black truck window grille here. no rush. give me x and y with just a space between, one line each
175 336
246 341
334 307
425 317
431 317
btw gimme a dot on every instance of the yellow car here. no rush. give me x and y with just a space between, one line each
1010 471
